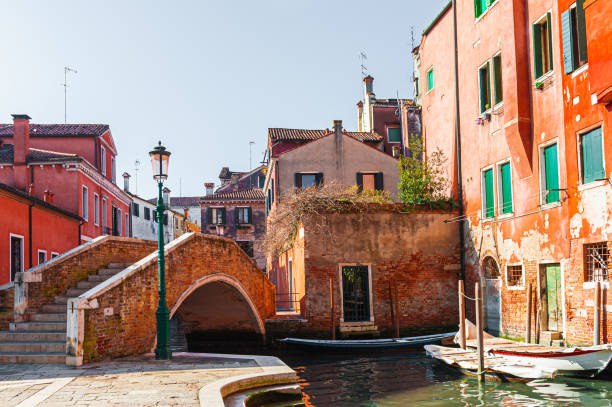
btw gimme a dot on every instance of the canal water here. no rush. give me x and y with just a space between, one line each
414 379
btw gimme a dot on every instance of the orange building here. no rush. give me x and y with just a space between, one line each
528 135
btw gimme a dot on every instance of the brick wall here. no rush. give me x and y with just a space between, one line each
129 326
6 307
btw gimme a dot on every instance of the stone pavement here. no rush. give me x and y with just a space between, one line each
132 381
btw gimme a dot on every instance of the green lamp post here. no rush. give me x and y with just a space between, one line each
160 158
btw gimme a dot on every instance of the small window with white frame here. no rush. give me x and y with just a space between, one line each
514 275
85 203
103 160
96 209
42 256
54 255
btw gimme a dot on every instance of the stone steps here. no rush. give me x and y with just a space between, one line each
54 308
58 326
33 357
87 284
36 347
32 336
48 316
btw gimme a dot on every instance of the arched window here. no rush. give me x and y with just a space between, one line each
490 268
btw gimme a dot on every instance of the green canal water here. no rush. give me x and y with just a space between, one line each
414 379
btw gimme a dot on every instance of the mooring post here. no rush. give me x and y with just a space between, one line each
332 309
480 344
596 308
396 312
528 328
461 315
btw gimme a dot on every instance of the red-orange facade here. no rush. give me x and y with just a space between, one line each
534 115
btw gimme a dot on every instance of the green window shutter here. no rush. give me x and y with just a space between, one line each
497 73
568 49
537 51
580 21
550 46
592 156
489 195
506 188
551 173
488 73
394 135
483 6
430 79
477 10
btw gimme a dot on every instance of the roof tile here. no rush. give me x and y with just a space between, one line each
281 134
57 130
249 194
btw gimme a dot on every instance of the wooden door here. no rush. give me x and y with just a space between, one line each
492 295
553 296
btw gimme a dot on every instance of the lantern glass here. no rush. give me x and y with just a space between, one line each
160 160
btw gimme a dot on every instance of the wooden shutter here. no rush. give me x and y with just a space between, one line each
209 216
297 177
497 74
236 216
249 215
506 188
485 93
581 23
222 216
359 181
537 51
592 156
319 179
272 192
568 50
551 173
550 43
378 181
489 196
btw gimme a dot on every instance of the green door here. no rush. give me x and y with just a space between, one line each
553 296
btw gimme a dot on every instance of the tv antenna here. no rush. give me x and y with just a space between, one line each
65 85
136 168
364 69
251 155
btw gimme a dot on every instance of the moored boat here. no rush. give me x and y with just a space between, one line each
407 342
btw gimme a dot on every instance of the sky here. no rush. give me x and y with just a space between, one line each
205 78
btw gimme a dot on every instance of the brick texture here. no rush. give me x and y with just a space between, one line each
6 307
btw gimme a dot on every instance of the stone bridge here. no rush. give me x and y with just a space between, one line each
211 284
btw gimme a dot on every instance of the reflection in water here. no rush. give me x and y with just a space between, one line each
413 379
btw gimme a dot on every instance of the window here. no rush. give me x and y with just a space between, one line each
480 6
247 246
591 156
542 46
550 173
165 219
497 79
488 197
304 181
514 275
135 209
104 223
485 87
127 223
574 37
243 215
16 259
96 209
394 135
113 171
85 203
119 229
430 79
597 261
216 216
370 181
42 256
504 185
54 255
261 180
147 213
103 160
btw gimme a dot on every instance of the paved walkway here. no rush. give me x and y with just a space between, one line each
133 381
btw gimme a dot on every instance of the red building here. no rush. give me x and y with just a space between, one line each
25 230
75 163
534 112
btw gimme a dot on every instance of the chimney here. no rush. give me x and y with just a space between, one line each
368 83
48 196
21 148
166 196
186 210
126 181
339 150
209 188
360 116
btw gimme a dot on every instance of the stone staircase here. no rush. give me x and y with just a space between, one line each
43 338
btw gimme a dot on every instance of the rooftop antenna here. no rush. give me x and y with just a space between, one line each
251 155
411 38
364 69
65 85
136 168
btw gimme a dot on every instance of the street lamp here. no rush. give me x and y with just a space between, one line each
160 158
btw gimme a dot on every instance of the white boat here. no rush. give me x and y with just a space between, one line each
406 342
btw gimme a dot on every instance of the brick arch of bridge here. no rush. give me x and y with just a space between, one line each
117 317
223 279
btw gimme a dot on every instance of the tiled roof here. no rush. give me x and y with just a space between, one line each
391 102
184 201
35 155
250 194
56 130
280 134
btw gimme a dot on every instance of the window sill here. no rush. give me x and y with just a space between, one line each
243 226
480 17
551 205
487 220
516 287
580 70
505 216
588 285
591 185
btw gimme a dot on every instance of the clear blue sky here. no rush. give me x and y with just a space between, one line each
203 77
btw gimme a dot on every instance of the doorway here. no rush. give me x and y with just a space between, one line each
355 293
16 255
552 307
492 286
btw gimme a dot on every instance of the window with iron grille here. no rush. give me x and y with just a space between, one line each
597 261
247 246
515 275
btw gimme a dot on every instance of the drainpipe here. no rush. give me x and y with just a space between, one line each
30 233
458 143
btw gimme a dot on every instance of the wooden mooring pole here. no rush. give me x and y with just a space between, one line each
479 331
396 312
596 307
461 315
528 328
332 309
